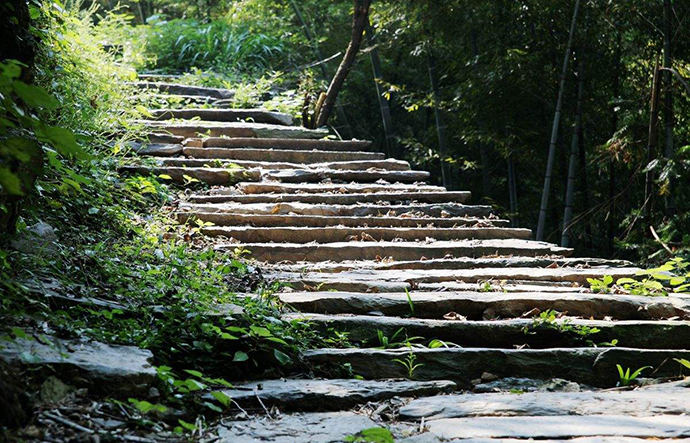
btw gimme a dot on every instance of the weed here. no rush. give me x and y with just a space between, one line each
388 343
626 377
410 303
409 364
371 435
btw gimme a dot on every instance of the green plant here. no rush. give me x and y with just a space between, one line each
371 435
387 343
410 303
602 286
409 364
551 319
672 276
626 377
684 363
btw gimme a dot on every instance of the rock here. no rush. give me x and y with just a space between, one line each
38 239
304 143
526 385
590 366
111 369
339 199
53 390
327 427
326 395
295 156
194 128
178 89
211 176
157 149
665 426
224 115
350 188
311 175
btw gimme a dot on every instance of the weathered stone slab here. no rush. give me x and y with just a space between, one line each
329 395
234 219
338 199
163 138
282 143
178 89
507 287
157 149
234 129
211 176
324 427
634 403
656 334
280 155
390 165
665 426
350 188
102 368
438 210
591 366
342 234
224 115
432 438
477 305
317 175
272 253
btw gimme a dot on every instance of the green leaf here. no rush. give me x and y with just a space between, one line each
194 373
187 426
34 96
283 358
9 182
62 140
260 331
372 435
222 398
240 356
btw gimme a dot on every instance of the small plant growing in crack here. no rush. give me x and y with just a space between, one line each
549 319
626 377
409 363
410 303
390 342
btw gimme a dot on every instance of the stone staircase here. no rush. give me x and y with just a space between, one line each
371 250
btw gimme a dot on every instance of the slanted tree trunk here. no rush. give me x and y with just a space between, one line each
345 128
554 129
572 166
384 103
359 20
668 103
440 122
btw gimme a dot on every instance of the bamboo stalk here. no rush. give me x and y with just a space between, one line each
440 122
384 103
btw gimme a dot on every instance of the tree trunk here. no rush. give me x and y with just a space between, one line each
483 148
574 149
554 129
440 122
345 128
611 219
652 143
359 20
512 192
668 103
384 103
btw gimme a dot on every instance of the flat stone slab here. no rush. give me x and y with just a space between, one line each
103 368
178 89
636 403
338 199
323 427
280 155
317 175
350 188
271 252
282 143
647 334
338 234
329 395
211 176
665 426
478 305
157 149
410 210
224 115
234 219
362 165
590 366
233 129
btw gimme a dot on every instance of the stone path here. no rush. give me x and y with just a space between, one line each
370 249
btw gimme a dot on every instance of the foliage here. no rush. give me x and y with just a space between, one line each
409 364
552 320
371 435
390 342
672 277
626 377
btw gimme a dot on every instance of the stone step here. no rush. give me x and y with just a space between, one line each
494 277
341 234
639 403
412 210
163 138
210 176
291 143
589 365
280 155
363 329
307 175
363 165
272 253
168 100
339 199
619 427
311 188
224 115
489 305
195 128
328 394
234 219
156 149
102 368
178 89
459 263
